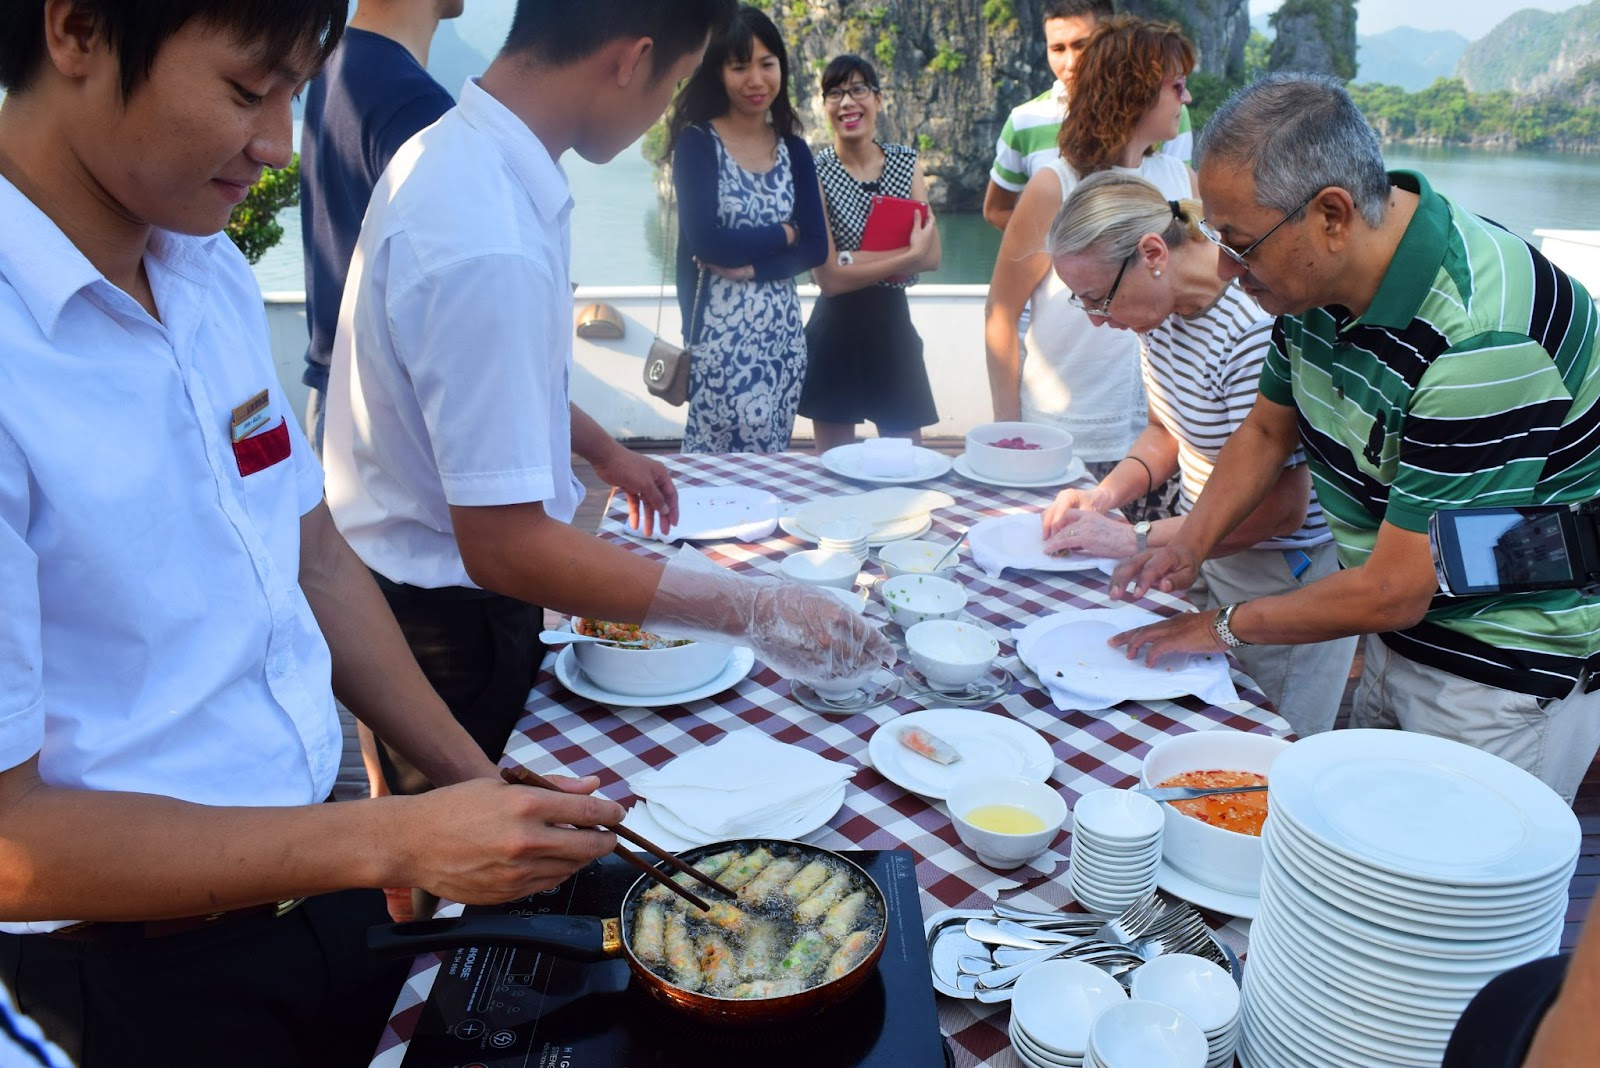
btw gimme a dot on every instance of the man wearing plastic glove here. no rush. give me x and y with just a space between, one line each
449 428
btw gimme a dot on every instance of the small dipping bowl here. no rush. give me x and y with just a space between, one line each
950 654
1117 816
1147 1034
1196 987
1000 849
822 567
1056 1003
913 599
916 558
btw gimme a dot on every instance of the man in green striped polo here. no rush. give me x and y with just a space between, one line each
1425 359
1028 139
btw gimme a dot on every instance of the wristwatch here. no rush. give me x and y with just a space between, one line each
1225 631
845 258
1141 535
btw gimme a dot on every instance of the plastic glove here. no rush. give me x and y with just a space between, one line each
800 631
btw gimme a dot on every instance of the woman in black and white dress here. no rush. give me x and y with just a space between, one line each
866 357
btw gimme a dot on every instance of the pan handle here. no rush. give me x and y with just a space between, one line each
580 938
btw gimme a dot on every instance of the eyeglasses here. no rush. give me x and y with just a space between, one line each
1239 257
855 91
1103 309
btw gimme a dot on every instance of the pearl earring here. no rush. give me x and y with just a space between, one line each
1155 274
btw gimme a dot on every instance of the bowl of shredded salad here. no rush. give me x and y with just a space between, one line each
657 665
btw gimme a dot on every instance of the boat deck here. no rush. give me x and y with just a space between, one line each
1585 882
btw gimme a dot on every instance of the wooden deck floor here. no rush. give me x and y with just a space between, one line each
1585 882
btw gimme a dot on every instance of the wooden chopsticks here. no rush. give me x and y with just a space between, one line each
520 776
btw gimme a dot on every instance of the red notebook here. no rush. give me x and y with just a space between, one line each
889 223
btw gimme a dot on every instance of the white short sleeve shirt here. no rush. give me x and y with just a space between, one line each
450 372
154 636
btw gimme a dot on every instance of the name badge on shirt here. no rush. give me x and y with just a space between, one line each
251 416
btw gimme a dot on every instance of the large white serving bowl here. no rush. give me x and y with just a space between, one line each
1019 465
650 672
950 653
1226 860
913 599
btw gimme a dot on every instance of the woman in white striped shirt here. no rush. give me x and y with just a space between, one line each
1135 260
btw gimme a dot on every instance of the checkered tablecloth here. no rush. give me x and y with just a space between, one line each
565 733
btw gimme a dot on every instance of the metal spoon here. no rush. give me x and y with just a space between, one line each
1189 793
961 536
566 637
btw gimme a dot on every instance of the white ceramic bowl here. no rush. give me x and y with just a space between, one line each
1226 860
950 653
1056 1003
822 567
1119 817
651 672
1196 987
916 558
913 599
995 848
1019 465
1147 1034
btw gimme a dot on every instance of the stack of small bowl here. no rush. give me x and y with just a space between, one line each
1201 991
1053 1007
1116 848
1144 1034
844 535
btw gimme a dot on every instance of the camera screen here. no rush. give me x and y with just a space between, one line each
1502 550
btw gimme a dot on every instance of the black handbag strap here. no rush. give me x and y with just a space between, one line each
661 290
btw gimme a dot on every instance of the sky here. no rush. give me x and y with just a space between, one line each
1470 18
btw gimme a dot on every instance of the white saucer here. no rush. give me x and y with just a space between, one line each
570 675
1075 470
897 532
845 461
1195 892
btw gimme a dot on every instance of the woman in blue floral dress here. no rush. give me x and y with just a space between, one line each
749 220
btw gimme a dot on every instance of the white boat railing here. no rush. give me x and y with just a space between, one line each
607 380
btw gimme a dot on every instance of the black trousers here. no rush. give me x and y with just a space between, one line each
296 991
479 650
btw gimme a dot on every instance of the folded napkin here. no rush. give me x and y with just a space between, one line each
1068 651
740 786
1017 541
887 458
722 513
878 508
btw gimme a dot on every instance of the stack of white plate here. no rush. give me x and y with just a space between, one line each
1116 848
1145 1034
847 535
1202 991
1053 1007
1401 873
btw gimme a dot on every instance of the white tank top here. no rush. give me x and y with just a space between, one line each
1077 376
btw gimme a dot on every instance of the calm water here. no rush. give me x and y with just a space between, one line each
617 224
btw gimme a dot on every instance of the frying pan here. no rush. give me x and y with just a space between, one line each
590 938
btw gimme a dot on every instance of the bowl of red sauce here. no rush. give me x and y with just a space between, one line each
1215 840
1018 452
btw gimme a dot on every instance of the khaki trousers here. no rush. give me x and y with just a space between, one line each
1305 682
1553 740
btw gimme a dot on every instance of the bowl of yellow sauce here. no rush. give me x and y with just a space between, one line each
1006 820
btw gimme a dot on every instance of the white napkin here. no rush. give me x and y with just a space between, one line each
887 458
1017 541
1088 675
741 785
878 508
723 513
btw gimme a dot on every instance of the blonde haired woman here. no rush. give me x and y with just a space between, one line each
1130 85
1142 262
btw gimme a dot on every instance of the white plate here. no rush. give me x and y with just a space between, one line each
913 527
811 818
1425 808
717 513
572 677
1096 675
1198 893
1075 470
1017 541
989 744
846 461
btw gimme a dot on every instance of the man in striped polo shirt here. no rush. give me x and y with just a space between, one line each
1425 359
1028 139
